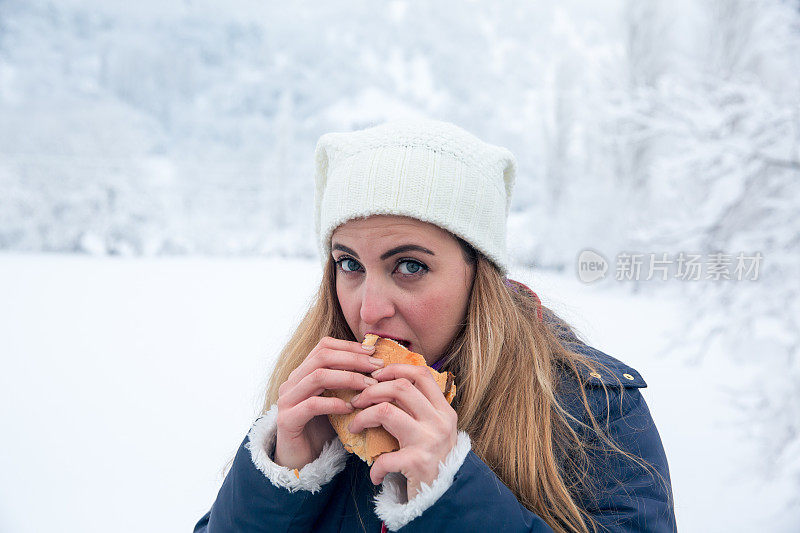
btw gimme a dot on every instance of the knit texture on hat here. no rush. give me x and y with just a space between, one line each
429 170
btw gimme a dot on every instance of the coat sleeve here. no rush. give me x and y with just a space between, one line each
465 496
258 495
468 496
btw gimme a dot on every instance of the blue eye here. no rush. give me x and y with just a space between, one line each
412 267
352 264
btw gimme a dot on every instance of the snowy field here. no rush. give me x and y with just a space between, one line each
127 384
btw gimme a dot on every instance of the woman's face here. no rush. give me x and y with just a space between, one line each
402 278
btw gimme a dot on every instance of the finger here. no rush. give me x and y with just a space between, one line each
392 418
327 345
322 379
325 357
341 344
405 460
402 393
420 376
295 418
344 360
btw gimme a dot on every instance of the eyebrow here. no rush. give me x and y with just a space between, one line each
397 250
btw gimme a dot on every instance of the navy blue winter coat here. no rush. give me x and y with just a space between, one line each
335 494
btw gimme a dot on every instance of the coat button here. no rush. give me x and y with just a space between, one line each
595 375
627 376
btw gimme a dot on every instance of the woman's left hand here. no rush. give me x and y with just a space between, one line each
419 417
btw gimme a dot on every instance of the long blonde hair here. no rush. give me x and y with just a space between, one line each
506 363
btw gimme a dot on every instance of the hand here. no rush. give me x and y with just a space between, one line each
303 425
419 417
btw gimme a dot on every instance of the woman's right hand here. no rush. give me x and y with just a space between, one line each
303 425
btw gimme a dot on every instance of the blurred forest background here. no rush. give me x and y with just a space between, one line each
176 128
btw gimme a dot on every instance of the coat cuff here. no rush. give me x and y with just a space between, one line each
311 477
390 503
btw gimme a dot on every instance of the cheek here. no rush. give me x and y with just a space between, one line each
437 312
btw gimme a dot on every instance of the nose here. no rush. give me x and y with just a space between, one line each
376 301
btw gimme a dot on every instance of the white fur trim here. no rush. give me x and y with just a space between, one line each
390 503
312 476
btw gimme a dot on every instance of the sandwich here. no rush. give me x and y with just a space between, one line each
372 442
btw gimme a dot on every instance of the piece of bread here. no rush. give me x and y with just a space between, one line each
372 442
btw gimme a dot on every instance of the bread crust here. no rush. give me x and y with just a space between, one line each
372 442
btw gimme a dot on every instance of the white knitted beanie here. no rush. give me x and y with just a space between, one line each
429 170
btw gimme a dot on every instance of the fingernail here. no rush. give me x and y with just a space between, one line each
376 372
376 361
370 381
354 398
368 348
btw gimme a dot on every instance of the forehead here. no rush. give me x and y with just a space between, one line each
389 227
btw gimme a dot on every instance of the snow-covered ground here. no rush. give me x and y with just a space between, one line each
127 384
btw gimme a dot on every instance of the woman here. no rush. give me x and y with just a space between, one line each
545 433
